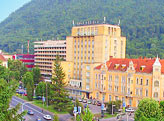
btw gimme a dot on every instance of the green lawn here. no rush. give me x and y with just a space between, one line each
107 115
49 108
40 104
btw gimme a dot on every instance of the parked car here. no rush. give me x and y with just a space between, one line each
80 100
98 103
47 117
94 102
129 110
25 94
21 92
17 91
30 112
38 119
74 98
84 101
89 101
38 97
86 105
70 97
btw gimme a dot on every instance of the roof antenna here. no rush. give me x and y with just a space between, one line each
119 22
73 23
104 20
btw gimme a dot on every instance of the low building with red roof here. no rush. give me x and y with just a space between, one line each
128 80
3 61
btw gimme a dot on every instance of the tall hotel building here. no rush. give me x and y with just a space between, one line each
45 53
88 46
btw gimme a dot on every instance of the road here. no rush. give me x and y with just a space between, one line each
124 118
37 111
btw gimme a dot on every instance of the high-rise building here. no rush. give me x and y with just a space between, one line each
45 53
90 45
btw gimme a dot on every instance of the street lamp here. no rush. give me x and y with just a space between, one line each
24 104
112 108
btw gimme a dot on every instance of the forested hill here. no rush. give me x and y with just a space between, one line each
142 22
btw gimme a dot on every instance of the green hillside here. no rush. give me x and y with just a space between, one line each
142 22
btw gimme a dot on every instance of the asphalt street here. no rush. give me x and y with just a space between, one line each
37 111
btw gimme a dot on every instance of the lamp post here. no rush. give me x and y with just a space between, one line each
112 108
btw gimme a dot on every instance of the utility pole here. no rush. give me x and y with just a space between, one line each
46 94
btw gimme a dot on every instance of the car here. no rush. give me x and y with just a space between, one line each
38 119
98 103
129 110
25 94
30 112
80 100
17 91
89 101
38 97
94 102
84 101
47 117
70 97
74 98
86 105
21 92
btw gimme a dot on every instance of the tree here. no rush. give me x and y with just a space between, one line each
36 75
27 77
29 84
18 69
56 118
41 89
61 100
162 107
30 91
7 90
87 116
148 109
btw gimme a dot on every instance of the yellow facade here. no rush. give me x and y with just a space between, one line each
129 86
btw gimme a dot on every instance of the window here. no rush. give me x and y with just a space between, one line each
110 78
141 81
123 79
140 92
110 87
156 83
96 76
137 81
136 91
146 93
156 94
116 88
110 98
116 79
97 95
88 67
116 98
130 102
147 82
87 87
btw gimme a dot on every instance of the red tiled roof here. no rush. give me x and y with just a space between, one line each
123 64
2 58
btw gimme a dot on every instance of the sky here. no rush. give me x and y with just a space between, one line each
9 6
